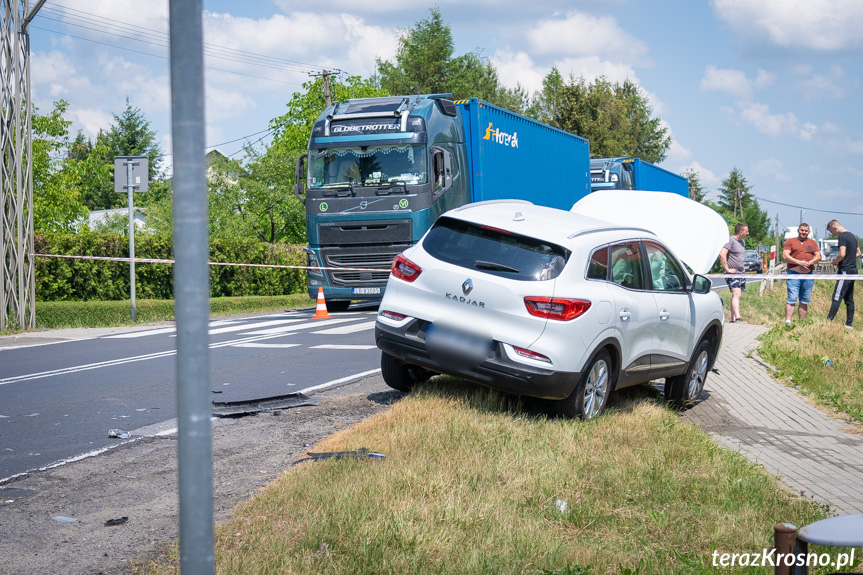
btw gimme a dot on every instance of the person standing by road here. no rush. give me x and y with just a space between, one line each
731 256
801 254
846 264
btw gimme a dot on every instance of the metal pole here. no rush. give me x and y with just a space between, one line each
129 187
191 289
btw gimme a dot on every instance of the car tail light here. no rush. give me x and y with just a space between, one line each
404 269
562 309
530 354
392 315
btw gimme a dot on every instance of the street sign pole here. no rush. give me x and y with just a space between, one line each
129 187
136 180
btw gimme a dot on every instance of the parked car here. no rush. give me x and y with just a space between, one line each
752 262
546 303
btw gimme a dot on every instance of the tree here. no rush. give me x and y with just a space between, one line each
734 193
424 64
616 118
545 104
129 135
696 190
737 204
57 180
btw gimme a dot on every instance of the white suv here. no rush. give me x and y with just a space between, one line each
546 303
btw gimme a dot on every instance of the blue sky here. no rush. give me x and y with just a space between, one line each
768 86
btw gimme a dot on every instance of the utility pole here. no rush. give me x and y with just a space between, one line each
325 74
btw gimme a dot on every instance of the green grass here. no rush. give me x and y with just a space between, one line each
470 485
797 350
64 314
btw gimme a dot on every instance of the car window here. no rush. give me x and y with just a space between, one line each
493 251
665 273
597 269
626 265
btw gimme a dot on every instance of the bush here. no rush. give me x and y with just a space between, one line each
62 279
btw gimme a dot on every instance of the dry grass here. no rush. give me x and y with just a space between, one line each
470 485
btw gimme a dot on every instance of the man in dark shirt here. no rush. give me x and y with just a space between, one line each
846 263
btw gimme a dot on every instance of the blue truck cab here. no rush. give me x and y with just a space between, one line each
634 174
379 172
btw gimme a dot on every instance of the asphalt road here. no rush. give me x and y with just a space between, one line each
59 399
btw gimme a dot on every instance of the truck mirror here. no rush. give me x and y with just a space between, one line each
300 179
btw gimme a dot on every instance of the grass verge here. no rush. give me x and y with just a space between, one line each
64 314
797 350
472 483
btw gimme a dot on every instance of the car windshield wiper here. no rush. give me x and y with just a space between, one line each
485 265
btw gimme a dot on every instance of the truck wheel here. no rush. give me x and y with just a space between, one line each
685 389
338 305
401 376
591 394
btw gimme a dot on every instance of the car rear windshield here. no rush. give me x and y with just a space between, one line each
494 251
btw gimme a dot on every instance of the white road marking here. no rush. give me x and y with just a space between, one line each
346 329
336 382
346 346
252 326
267 345
282 330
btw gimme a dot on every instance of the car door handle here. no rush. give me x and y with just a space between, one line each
664 315
625 314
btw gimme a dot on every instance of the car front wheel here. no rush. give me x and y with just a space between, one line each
591 394
685 389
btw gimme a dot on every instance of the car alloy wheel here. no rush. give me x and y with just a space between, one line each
685 389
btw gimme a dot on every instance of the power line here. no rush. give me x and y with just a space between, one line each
73 17
810 209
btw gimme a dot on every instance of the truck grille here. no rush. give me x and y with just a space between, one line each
377 232
378 257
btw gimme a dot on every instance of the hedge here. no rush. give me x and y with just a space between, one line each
62 279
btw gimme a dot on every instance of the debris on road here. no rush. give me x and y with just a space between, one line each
118 521
256 406
61 519
119 434
361 453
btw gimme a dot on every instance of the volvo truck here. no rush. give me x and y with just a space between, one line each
379 172
634 174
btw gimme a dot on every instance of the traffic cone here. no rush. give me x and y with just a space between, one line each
321 308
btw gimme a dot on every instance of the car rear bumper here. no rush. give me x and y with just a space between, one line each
407 343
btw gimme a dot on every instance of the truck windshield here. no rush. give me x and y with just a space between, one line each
367 166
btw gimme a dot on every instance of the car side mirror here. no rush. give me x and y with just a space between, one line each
701 284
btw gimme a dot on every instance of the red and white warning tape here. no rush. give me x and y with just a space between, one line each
157 261
786 276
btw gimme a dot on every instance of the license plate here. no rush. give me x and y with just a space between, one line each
456 346
366 291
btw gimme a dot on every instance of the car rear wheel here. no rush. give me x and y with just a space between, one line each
685 389
401 376
591 394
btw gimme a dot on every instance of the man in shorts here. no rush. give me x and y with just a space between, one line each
800 254
731 256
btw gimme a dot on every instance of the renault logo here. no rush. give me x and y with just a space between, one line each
467 286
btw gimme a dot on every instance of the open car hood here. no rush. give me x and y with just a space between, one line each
693 231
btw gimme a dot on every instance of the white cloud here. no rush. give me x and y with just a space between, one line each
707 178
91 120
734 82
592 67
828 86
759 117
813 24
771 168
518 68
838 193
581 35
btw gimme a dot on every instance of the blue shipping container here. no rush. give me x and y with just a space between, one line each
515 157
651 177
